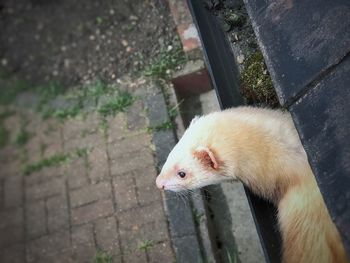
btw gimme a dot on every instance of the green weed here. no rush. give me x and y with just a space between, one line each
11 89
96 89
145 245
82 152
22 137
103 257
99 20
117 104
197 216
60 114
53 160
167 125
231 259
165 62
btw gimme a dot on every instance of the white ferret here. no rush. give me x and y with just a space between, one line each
261 148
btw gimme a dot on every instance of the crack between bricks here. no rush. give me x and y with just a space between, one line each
67 192
136 191
46 212
24 201
313 83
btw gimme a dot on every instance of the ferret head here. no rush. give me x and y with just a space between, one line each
192 163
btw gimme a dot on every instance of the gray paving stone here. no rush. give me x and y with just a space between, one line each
91 211
11 216
134 237
187 249
135 116
11 234
107 235
125 192
47 188
57 213
145 215
132 161
90 193
76 174
13 190
39 249
13 254
160 252
83 235
36 219
98 164
129 145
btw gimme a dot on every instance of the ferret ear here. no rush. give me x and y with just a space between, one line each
194 120
206 157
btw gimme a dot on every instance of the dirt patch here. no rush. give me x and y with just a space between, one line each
74 42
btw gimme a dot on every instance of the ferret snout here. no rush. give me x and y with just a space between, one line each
160 183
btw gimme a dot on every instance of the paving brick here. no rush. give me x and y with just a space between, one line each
107 235
92 211
63 256
52 149
83 235
90 193
117 127
47 188
132 161
13 124
117 259
34 150
161 252
135 117
57 213
12 216
86 141
13 254
145 215
51 138
127 145
77 174
135 257
125 192
39 249
74 127
11 234
43 175
132 239
147 191
13 191
11 166
35 219
84 253
98 164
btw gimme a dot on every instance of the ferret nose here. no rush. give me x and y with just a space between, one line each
160 183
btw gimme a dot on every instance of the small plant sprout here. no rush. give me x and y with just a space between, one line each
103 257
146 244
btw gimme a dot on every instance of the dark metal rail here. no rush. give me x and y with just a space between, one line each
224 75
306 45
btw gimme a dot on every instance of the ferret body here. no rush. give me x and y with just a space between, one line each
261 148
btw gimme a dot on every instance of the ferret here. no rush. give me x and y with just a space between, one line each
260 148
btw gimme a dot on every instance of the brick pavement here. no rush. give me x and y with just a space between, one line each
101 201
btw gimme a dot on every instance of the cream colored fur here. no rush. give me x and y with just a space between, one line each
261 148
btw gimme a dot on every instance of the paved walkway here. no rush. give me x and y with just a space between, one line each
89 195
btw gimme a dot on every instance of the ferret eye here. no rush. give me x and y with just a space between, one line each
181 174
